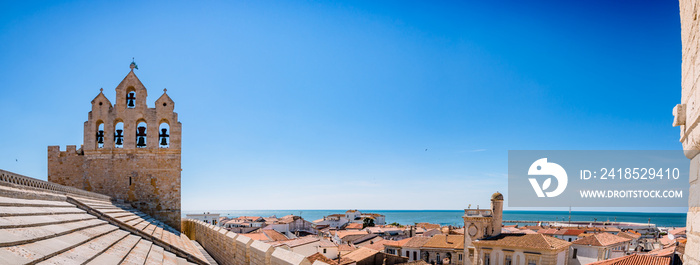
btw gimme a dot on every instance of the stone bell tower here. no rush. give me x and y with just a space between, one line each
130 152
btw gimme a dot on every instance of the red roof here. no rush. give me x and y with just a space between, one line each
601 239
635 259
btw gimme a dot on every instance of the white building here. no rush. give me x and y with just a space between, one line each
350 216
209 218
333 221
597 247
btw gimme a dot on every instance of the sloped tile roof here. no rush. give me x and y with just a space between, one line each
445 241
533 241
259 236
318 256
628 235
346 247
635 259
600 239
354 226
274 235
416 242
361 254
399 243
378 245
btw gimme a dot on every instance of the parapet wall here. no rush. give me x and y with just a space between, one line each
229 248
148 179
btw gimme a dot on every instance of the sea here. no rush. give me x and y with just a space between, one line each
454 217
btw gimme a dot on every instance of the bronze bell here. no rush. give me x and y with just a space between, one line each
118 136
130 99
163 135
141 134
100 136
142 142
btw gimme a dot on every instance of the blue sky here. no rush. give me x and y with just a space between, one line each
332 105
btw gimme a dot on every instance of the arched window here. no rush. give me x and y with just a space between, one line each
141 135
100 134
164 135
130 97
119 135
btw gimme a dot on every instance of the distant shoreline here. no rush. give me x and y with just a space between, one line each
454 217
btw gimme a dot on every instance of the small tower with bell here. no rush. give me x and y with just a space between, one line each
130 152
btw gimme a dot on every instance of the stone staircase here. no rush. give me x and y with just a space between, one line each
46 225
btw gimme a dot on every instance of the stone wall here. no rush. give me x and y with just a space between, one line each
229 248
148 177
687 117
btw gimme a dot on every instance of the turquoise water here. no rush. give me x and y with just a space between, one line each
454 217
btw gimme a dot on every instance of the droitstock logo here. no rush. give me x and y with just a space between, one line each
542 167
597 178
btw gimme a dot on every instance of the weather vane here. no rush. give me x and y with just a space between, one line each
133 64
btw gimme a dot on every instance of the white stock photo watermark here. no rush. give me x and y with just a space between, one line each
647 178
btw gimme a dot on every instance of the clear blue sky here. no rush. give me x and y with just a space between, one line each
332 105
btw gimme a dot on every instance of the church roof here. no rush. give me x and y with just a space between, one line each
43 221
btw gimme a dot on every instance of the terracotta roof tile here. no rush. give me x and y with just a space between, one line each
416 242
399 243
257 236
535 241
635 259
678 231
361 254
428 226
378 245
274 235
354 226
600 239
346 247
445 241
628 235
318 256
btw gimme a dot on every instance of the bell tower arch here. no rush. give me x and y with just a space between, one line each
122 155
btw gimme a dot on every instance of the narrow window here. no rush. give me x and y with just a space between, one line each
141 135
131 99
164 136
129 181
324 251
100 135
119 135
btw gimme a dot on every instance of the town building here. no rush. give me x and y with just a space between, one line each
209 218
482 223
597 247
521 249
444 249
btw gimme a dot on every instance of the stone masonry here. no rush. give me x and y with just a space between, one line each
139 166
229 248
687 116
